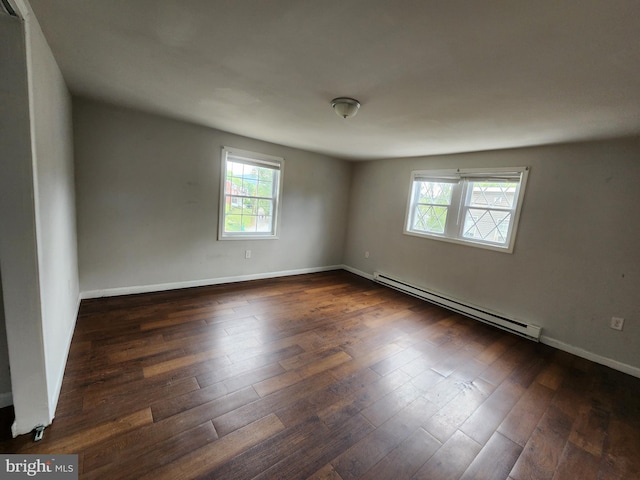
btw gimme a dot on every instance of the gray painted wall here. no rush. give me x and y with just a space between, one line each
147 201
55 207
38 252
576 261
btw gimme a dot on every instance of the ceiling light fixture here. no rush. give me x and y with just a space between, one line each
345 107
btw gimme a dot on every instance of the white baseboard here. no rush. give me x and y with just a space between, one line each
113 292
594 357
357 272
6 399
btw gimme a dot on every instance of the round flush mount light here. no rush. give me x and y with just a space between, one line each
345 107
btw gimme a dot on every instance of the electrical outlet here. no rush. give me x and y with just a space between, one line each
366 254
247 254
616 323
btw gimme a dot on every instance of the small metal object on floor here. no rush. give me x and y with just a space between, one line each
38 432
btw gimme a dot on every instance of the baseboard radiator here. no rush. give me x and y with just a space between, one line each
518 327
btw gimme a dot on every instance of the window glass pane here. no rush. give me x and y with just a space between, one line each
250 206
435 193
249 223
487 225
265 174
265 189
233 204
492 194
430 218
249 181
264 216
233 223
233 183
263 224
265 208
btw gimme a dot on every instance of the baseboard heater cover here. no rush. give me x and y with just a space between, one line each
526 330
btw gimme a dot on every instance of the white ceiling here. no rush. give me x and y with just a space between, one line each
432 76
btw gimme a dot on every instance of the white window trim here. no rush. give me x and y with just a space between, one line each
456 206
257 158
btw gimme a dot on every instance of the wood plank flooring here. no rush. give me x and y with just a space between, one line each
328 376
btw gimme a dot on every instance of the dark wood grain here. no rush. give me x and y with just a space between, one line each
328 377
495 459
451 460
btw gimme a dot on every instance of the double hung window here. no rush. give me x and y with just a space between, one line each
250 195
480 207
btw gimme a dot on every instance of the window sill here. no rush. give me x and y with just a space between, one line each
468 243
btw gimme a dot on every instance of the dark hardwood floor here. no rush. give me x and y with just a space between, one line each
328 376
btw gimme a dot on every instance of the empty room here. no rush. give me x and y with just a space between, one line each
320 239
